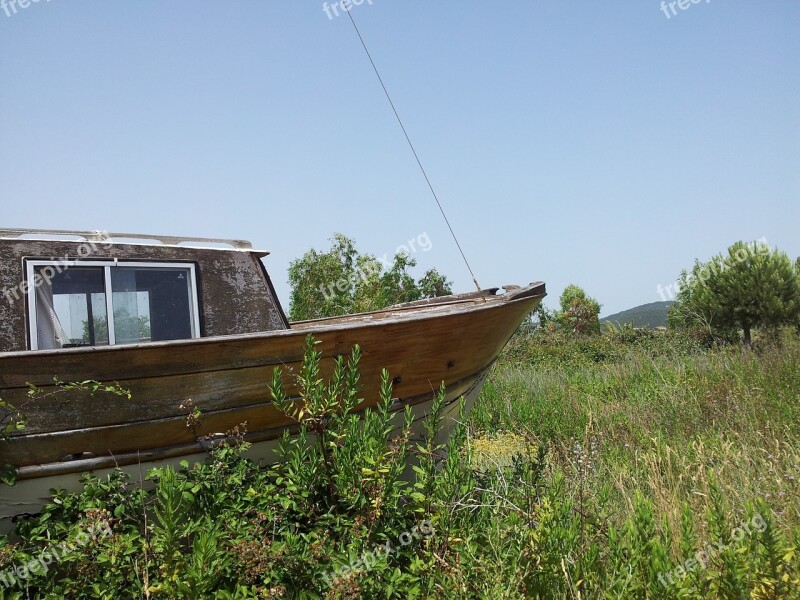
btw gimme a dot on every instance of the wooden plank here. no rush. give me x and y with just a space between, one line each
33 449
232 352
227 378
453 347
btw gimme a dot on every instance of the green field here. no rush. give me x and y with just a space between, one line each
629 464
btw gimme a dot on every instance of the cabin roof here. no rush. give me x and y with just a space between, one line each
107 237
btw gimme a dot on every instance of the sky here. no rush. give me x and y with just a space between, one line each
606 144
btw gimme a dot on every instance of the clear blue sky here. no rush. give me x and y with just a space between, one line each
597 143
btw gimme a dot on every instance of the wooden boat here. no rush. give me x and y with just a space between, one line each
172 319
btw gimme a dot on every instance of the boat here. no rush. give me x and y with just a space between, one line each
173 319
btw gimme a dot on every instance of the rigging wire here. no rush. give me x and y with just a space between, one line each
413 150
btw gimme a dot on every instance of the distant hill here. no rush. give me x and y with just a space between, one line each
647 315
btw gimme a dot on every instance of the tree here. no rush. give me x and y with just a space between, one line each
579 313
797 272
749 286
433 284
323 282
397 285
342 281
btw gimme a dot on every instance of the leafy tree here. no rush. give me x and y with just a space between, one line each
343 281
397 285
434 284
579 313
750 286
323 282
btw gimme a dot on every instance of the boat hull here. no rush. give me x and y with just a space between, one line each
28 496
452 341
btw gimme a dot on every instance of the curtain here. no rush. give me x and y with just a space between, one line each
49 332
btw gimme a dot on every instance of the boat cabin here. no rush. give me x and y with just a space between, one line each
62 289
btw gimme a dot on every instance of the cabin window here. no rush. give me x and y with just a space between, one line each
100 304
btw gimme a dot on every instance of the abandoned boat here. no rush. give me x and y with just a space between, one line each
172 319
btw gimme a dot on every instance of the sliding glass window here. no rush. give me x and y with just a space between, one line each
99 304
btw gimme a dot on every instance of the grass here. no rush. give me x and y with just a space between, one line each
625 465
658 424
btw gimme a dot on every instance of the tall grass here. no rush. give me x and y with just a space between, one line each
657 423
628 465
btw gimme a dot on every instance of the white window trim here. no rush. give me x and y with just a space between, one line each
31 266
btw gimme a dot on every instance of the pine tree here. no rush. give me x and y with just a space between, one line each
749 286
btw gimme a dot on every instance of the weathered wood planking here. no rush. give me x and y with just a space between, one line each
227 377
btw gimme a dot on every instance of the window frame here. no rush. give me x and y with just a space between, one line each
32 264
